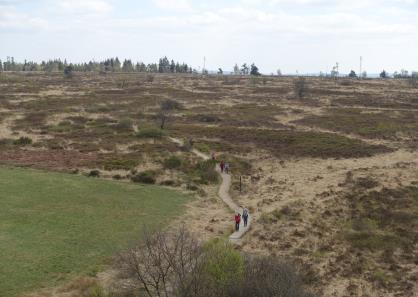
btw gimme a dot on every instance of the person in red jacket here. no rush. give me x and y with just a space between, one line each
222 165
237 221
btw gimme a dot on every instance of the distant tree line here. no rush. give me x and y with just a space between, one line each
109 65
246 70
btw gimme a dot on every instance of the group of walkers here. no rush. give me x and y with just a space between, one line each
238 219
225 168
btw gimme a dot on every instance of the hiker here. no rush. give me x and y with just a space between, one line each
227 168
245 217
237 221
213 157
222 165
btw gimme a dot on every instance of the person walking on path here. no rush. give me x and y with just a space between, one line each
222 165
213 157
245 217
237 221
227 168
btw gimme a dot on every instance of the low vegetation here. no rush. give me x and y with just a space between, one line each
176 264
288 143
384 220
57 226
372 125
145 177
150 132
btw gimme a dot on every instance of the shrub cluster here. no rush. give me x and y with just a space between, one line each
177 264
172 163
145 177
22 141
120 164
151 132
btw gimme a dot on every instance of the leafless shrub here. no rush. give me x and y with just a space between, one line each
149 78
164 264
299 86
268 276
413 81
175 264
166 109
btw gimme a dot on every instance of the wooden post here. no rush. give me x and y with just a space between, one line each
240 183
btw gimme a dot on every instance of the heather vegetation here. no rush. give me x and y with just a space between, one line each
327 168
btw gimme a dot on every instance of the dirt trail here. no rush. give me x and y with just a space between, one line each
224 195
289 120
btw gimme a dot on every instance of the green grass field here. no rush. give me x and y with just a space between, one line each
55 226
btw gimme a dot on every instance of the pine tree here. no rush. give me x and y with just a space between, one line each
352 74
254 70
116 65
1 66
236 69
172 66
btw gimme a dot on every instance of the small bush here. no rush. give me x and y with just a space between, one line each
22 141
125 125
149 78
223 265
366 183
209 176
6 142
168 183
381 277
204 172
151 132
146 177
172 163
170 104
299 86
268 276
94 173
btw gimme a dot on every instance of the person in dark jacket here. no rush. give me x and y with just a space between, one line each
245 217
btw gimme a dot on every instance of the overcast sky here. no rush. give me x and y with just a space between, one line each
304 35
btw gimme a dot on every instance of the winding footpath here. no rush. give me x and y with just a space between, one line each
223 193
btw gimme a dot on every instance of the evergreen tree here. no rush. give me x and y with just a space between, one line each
1 66
254 70
383 74
352 74
244 69
172 66
116 64
127 66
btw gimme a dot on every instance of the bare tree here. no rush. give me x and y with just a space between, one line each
300 87
167 107
175 264
268 276
164 264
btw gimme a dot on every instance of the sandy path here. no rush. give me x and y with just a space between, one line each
223 193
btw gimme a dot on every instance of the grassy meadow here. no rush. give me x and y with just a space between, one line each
56 226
